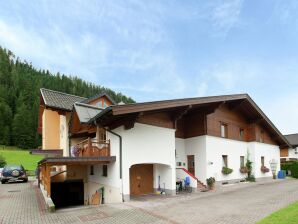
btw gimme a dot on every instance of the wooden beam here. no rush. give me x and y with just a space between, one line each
131 121
236 106
180 114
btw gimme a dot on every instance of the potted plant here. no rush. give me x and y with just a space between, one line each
264 169
210 183
244 170
226 170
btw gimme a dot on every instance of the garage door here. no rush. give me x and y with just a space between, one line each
68 193
141 179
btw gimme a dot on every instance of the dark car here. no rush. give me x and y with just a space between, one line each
13 173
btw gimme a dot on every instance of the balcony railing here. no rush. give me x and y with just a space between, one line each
91 148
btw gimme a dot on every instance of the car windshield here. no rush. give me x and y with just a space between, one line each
14 167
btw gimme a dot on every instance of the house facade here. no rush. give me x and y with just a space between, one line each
291 153
115 152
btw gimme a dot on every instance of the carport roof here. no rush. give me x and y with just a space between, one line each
77 160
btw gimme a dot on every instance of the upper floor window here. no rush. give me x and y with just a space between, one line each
241 134
262 136
105 170
223 130
105 105
91 170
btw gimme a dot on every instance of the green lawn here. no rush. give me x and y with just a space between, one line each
17 156
288 215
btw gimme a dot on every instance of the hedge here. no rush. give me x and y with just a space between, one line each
294 170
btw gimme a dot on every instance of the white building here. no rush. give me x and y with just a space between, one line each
124 151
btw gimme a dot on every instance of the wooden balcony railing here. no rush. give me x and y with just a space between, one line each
92 148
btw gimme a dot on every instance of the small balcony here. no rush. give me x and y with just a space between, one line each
91 148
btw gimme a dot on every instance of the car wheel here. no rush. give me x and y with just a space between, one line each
3 182
25 181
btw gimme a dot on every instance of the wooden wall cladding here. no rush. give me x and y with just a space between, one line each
284 152
160 119
234 121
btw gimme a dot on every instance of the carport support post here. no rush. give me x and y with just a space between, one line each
48 177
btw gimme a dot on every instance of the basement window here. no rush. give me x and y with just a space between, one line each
105 170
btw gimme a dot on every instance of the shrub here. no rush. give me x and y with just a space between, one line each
294 170
226 170
2 161
251 178
210 182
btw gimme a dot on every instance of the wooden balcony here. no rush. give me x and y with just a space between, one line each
92 148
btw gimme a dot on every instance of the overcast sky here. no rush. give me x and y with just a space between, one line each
154 50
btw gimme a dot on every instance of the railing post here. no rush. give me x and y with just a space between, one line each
89 147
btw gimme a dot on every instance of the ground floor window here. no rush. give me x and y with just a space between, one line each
224 160
242 161
263 161
105 170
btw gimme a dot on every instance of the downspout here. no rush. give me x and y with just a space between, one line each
120 153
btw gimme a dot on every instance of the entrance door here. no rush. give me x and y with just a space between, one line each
141 179
191 164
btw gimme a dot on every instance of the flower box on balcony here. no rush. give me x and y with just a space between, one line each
264 169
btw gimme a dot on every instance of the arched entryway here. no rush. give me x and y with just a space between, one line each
141 179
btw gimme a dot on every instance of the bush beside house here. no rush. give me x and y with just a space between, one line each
2 161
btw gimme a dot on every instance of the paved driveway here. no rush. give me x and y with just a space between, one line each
243 203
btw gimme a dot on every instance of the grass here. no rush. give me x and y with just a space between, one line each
14 155
288 215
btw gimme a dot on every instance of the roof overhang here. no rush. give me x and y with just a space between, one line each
135 108
78 160
54 152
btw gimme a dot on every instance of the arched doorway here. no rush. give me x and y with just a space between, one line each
141 179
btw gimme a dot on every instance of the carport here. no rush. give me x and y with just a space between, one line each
68 192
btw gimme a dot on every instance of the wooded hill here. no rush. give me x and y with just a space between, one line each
19 98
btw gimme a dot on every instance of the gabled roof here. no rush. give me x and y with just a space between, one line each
59 100
293 139
85 111
98 96
117 110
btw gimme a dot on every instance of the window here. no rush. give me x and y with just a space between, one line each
242 161
105 105
91 170
262 136
223 130
241 133
296 150
105 170
263 161
225 161
179 164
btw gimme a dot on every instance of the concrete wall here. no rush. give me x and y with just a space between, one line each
50 130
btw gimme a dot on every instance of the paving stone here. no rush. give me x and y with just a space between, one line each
241 203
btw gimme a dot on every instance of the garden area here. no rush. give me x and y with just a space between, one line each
14 155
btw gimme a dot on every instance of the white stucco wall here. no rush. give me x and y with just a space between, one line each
217 147
197 146
151 145
112 183
180 152
292 153
257 150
